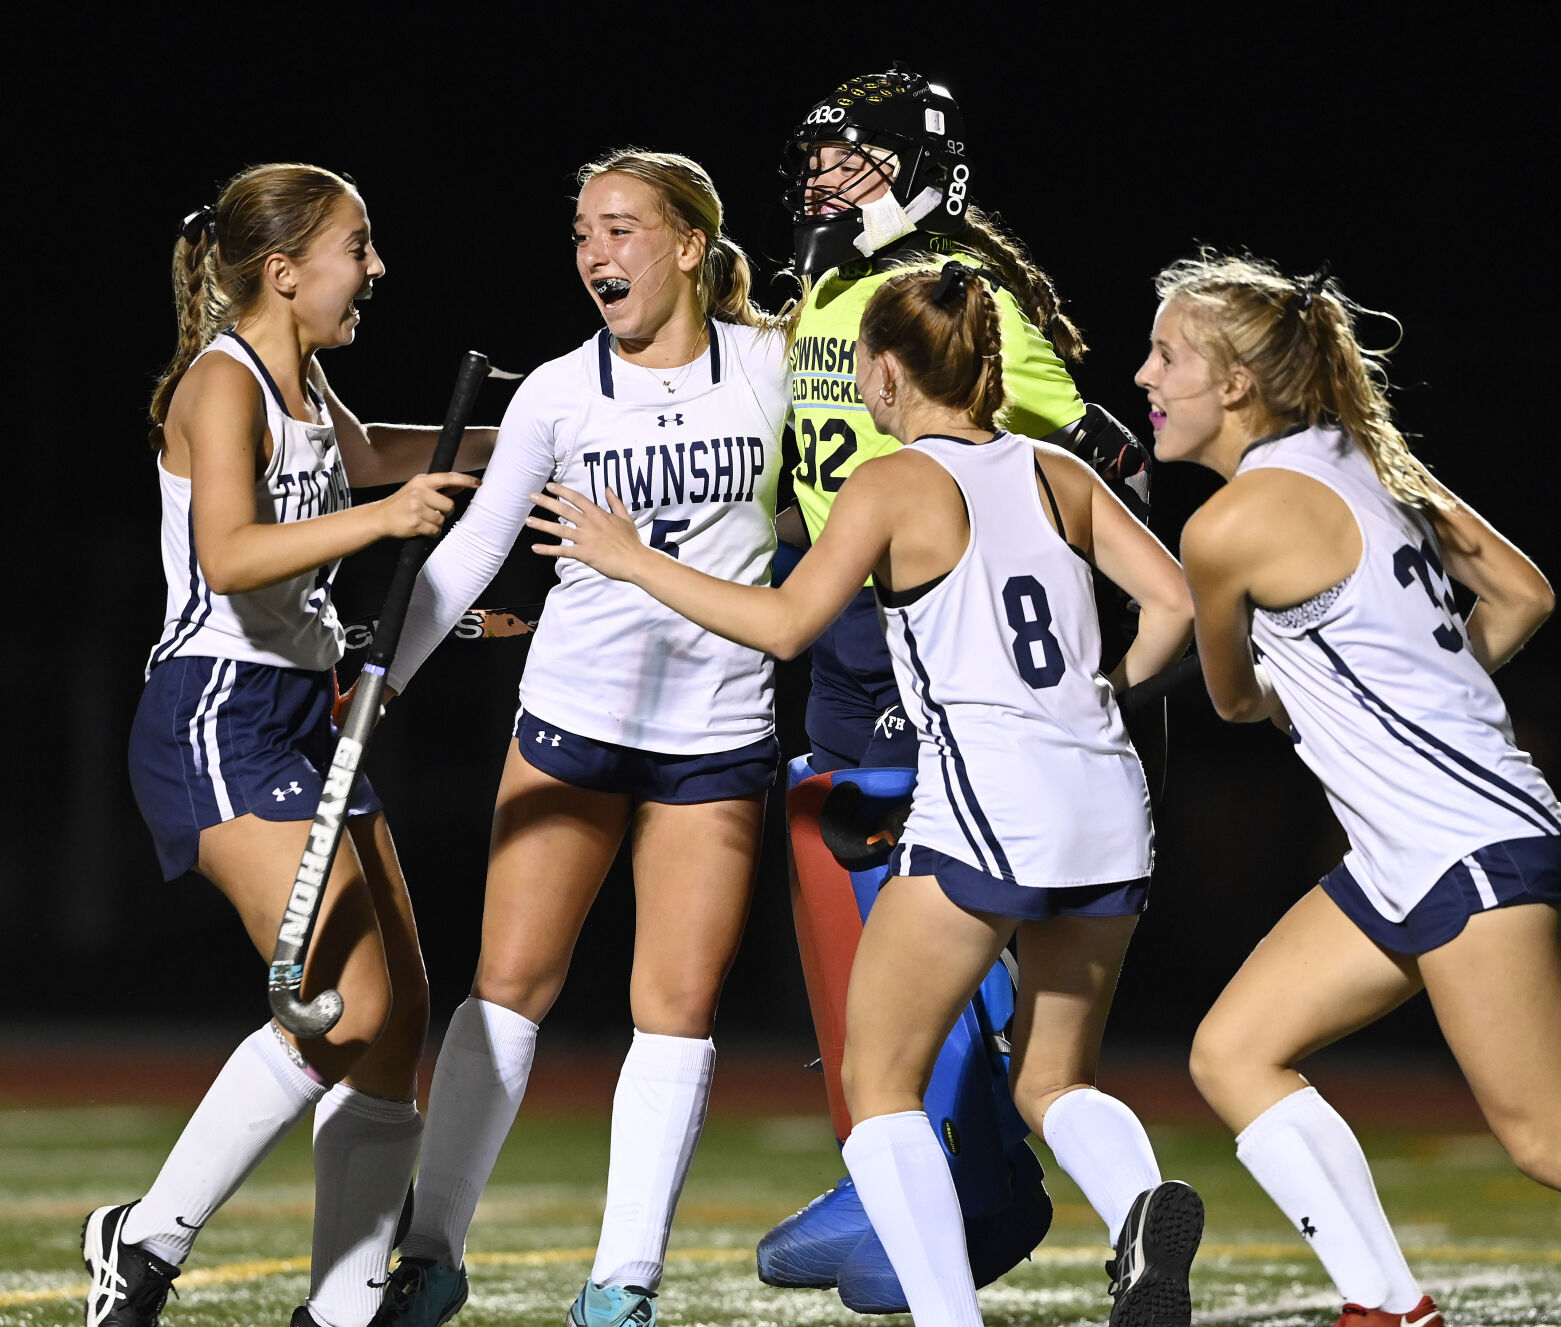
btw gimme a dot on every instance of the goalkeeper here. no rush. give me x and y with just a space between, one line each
878 177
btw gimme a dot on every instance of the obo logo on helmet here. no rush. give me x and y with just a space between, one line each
898 114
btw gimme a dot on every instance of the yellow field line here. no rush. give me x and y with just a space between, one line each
264 1267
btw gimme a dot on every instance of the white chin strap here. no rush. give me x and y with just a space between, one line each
884 220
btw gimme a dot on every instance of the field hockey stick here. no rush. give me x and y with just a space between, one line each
314 1018
1180 676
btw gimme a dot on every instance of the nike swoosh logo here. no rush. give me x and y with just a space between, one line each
180 1221
1431 1317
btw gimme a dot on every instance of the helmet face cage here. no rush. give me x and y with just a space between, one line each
897 115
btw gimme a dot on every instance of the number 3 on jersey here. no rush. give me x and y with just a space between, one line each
1030 615
1411 563
828 478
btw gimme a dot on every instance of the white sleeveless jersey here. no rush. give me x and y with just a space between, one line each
291 624
1389 707
1024 768
697 466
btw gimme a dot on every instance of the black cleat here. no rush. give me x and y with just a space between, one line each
129 1285
1154 1252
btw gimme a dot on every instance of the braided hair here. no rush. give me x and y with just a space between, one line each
220 255
943 325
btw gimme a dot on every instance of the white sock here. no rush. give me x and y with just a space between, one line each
658 1111
258 1096
365 1149
479 1081
1103 1148
1308 1161
904 1183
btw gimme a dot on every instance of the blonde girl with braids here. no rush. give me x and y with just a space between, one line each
1322 579
632 721
1031 812
254 456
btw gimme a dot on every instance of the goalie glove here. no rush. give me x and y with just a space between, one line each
1114 452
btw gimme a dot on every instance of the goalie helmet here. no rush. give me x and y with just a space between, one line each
894 126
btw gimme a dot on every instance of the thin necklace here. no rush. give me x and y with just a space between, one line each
673 383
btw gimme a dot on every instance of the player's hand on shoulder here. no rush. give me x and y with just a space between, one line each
420 506
609 541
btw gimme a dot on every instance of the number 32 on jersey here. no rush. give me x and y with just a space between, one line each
837 440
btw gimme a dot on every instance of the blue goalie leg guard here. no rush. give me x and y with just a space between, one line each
997 1177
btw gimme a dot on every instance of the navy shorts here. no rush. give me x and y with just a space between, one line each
976 891
646 776
214 739
1499 875
854 718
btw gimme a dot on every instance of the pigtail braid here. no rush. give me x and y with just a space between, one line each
200 309
986 335
1030 285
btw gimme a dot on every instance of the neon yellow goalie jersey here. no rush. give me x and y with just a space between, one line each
835 433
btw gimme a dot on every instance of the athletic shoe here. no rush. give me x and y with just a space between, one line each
1424 1314
302 1318
1155 1249
421 1293
612 1306
129 1285
808 1247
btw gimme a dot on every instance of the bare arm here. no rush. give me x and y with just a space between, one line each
379 454
1218 549
220 418
1130 556
1514 596
781 620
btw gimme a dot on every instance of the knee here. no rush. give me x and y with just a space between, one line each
878 1085
527 990
682 1008
1534 1144
1216 1057
1035 1093
406 1027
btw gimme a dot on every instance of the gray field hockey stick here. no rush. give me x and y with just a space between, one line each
315 1017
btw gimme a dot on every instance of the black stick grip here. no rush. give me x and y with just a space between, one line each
414 552
1180 676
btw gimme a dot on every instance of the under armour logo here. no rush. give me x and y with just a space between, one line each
1307 1228
282 794
661 420
555 739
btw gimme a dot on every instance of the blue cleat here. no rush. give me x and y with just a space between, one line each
612 1306
807 1248
421 1293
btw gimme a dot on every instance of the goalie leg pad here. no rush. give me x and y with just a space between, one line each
999 1181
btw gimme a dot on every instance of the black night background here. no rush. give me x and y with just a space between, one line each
1408 154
